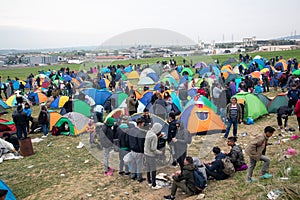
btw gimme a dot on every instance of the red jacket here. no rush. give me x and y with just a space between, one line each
297 109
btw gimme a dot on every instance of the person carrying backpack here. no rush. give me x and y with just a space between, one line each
184 179
215 169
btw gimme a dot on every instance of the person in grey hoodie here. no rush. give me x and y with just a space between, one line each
150 152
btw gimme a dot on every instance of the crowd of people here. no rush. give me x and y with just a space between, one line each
141 143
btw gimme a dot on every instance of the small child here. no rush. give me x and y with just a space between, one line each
91 130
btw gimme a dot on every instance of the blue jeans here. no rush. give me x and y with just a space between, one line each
233 122
45 129
21 129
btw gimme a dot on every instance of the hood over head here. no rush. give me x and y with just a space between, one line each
156 128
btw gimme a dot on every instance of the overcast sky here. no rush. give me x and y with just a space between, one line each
26 24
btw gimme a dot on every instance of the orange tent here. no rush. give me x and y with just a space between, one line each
201 120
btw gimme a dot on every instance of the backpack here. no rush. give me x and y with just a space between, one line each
228 166
199 180
55 130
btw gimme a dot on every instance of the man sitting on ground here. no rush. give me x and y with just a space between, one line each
184 179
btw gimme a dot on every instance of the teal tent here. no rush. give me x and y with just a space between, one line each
280 100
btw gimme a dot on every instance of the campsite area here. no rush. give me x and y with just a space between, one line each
60 170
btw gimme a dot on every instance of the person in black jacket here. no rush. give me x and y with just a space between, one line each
123 143
215 169
173 126
136 143
146 117
44 120
19 118
283 112
107 143
68 106
11 139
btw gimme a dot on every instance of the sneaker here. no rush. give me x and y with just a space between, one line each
266 176
169 197
150 184
127 173
108 173
140 180
122 173
157 187
44 136
251 180
174 163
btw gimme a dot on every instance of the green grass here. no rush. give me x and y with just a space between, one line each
22 73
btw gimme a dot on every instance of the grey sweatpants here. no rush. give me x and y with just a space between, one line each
264 168
106 152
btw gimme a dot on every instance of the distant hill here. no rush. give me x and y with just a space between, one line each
295 37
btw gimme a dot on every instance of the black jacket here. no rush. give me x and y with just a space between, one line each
172 130
122 135
68 106
137 139
19 117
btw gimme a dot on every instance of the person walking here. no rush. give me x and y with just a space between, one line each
255 150
234 116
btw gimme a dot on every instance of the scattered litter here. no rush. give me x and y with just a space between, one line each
104 189
112 196
126 193
244 134
88 195
201 196
285 140
36 140
62 175
79 172
274 194
68 156
86 161
68 148
80 145
30 166
50 143
290 151
294 137
284 178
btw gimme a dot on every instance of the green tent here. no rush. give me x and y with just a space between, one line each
254 107
187 70
263 98
296 72
61 121
280 100
82 107
124 77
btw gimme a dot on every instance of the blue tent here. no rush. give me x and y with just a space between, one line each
3 104
128 69
67 77
9 195
146 97
105 70
16 85
156 87
153 76
99 96
204 70
102 83
192 92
